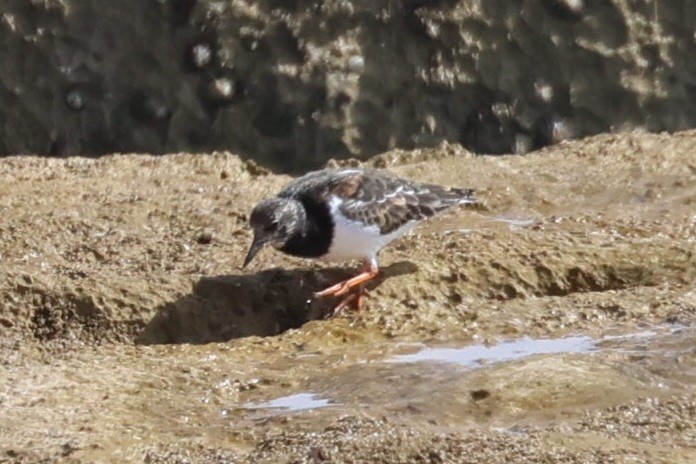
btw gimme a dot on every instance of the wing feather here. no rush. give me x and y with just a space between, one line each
390 203
376 197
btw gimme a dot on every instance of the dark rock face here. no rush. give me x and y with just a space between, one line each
292 83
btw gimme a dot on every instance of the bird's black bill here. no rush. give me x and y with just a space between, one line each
256 246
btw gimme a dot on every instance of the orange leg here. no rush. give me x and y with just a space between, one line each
345 302
356 298
360 297
367 273
353 288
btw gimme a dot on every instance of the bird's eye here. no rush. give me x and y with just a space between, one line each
272 227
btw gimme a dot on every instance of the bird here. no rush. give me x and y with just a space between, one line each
347 214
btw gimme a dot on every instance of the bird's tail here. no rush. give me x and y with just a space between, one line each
463 196
439 198
447 197
452 196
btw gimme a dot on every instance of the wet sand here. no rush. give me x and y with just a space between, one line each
553 324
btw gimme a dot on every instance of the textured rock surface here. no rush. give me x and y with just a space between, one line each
128 332
293 83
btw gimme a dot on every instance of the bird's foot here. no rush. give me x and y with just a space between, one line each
342 288
353 289
356 299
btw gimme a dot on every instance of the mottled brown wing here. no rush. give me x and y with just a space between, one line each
388 202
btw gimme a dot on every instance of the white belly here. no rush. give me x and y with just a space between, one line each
353 241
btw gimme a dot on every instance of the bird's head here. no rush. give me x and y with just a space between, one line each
274 221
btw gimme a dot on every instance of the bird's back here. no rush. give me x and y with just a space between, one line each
319 184
374 198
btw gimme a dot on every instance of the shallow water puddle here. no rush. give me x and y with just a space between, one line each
477 355
509 350
292 403
470 356
518 379
478 222
515 223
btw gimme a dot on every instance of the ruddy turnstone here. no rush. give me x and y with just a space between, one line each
345 214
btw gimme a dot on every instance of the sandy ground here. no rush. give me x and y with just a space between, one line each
130 333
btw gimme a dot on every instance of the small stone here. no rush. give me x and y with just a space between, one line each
75 100
356 63
201 54
224 86
543 90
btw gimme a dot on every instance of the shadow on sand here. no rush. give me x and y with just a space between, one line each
266 303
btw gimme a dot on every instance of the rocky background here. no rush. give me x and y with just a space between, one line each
292 83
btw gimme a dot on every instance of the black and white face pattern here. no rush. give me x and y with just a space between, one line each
274 222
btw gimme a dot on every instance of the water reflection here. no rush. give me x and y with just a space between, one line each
292 403
476 355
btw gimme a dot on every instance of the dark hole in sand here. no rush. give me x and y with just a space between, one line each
266 303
